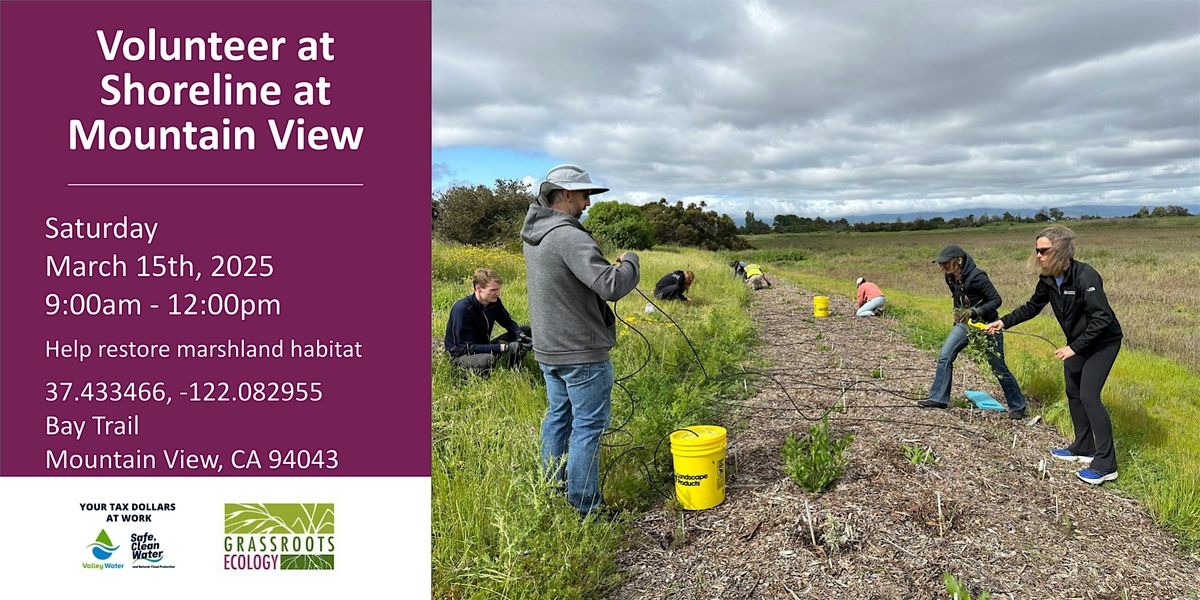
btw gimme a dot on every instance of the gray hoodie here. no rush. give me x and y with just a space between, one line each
569 281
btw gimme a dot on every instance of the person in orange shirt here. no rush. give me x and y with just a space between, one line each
870 298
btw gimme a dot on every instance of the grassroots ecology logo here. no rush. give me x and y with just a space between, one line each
103 549
278 537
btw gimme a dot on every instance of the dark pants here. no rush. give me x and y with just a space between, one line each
1085 376
483 364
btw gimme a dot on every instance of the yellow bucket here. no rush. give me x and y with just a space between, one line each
699 454
820 306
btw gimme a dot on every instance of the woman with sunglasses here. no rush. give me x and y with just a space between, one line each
1075 292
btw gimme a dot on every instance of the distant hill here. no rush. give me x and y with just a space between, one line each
1103 210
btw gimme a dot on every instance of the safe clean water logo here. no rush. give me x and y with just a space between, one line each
147 551
279 537
102 549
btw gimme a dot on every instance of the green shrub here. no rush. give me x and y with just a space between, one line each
480 215
620 225
692 226
816 460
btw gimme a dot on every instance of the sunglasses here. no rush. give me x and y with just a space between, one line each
1041 251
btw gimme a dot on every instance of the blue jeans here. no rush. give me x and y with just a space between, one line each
868 308
579 404
955 342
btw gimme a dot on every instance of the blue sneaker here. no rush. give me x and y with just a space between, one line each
1067 455
1095 477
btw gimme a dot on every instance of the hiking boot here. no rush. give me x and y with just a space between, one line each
932 404
1067 455
1095 477
1016 415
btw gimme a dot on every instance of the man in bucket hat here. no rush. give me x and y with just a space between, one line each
569 283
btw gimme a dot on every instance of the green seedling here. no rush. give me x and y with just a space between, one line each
917 455
959 591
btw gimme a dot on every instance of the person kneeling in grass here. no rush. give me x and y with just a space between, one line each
870 298
1075 292
673 285
756 278
470 326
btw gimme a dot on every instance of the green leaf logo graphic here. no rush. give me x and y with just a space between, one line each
103 538
278 518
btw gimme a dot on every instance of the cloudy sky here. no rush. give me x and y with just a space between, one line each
823 108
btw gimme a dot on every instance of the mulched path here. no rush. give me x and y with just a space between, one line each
1013 521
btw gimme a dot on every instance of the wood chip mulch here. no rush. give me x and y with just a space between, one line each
995 509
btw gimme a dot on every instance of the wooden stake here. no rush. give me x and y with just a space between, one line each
941 518
811 534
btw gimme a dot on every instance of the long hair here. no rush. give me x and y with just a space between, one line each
952 265
688 278
1062 250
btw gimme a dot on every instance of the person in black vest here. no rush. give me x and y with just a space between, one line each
673 285
470 326
1075 292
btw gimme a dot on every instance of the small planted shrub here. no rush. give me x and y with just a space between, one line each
817 459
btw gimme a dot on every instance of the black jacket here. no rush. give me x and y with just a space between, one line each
469 329
974 291
670 287
1080 306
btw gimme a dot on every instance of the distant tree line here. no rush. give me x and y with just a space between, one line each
797 224
1160 211
493 217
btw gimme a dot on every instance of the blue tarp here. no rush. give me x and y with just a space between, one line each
984 400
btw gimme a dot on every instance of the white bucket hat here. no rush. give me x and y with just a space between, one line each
566 177
860 281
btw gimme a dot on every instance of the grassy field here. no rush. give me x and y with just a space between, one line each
1149 267
498 530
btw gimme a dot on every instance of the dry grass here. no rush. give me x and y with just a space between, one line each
1151 268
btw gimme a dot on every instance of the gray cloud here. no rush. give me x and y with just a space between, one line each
835 108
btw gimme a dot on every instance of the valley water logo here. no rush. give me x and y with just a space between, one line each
147 551
103 549
278 537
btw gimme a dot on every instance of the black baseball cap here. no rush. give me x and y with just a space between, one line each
949 252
